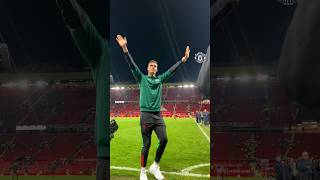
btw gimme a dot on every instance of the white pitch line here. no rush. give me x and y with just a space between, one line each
203 131
124 168
195 167
164 172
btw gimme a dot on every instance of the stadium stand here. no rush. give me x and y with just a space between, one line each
256 122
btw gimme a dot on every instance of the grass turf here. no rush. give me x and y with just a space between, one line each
186 147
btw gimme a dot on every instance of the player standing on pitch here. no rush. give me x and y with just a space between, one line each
150 104
94 49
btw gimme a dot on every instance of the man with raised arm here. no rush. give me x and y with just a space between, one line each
150 104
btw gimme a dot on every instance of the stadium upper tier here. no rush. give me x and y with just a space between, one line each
251 102
181 100
74 103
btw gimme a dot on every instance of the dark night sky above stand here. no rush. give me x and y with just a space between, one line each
252 34
152 28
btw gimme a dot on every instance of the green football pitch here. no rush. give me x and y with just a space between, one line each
187 155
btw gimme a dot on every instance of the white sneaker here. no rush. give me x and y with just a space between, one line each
143 174
155 170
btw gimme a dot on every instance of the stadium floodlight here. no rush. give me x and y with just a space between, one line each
23 84
117 88
261 77
186 86
243 78
122 87
191 85
227 78
41 84
9 85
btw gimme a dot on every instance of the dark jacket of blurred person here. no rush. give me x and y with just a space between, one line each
316 169
304 166
278 169
286 171
293 169
206 117
198 116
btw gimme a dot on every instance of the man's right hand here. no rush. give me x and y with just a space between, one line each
122 43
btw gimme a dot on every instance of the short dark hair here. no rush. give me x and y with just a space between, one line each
152 61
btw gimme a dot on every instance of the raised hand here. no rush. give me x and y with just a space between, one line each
122 42
186 54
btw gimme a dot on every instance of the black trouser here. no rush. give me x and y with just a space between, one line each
150 121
